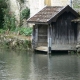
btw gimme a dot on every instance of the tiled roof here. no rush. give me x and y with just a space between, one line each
50 13
45 14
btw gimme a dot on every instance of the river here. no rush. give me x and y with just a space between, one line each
25 65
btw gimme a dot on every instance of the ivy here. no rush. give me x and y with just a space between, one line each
9 20
24 31
25 13
22 1
3 5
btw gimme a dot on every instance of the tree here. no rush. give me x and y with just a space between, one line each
3 5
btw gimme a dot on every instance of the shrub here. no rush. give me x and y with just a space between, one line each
2 31
22 1
3 5
24 31
25 13
9 20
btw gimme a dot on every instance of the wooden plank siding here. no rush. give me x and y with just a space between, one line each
78 33
49 38
42 35
64 33
55 29
33 38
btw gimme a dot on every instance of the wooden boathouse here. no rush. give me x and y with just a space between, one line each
54 29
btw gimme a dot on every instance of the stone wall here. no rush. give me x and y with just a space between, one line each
60 2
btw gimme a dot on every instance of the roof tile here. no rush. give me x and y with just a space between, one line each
48 13
45 14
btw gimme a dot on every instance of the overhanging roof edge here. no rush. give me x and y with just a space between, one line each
37 22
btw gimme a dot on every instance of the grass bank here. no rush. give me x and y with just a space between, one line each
20 38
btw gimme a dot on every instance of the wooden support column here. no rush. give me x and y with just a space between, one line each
36 35
78 29
33 38
49 38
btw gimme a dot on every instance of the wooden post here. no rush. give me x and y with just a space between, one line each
33 38
78 31
36 35
49 39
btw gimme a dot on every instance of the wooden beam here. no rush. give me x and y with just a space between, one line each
78 36
36 35
33 38
49 38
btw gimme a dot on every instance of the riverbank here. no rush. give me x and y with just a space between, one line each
15 41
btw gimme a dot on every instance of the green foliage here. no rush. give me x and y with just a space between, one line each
2 31
3 5
11 42
76 6
25 13
9 20
22 1
1 18
24 31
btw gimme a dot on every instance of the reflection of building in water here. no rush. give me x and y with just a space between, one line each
78 61
39 67
64 67
44 67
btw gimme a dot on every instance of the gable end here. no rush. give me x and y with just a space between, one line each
65 9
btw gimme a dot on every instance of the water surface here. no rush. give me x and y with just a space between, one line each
25 65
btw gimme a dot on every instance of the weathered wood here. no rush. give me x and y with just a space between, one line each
78 39
36 35
33 38
63 47
59 35
64 32
42 48
42 35
49 39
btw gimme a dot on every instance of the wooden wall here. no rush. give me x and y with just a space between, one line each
78 33
64 31
35 36
42 35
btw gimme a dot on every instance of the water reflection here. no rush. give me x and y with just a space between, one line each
39 67
15 65
25 65
64 67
